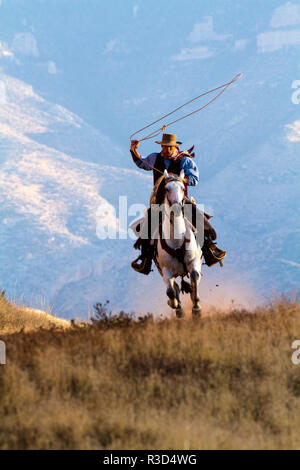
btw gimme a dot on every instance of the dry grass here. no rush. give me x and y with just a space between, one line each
224 382
14 319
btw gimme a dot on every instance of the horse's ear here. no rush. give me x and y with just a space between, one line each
181 174
166 174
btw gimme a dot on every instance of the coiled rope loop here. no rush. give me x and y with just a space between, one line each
161 129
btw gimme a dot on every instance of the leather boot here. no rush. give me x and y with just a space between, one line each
142 264
211 253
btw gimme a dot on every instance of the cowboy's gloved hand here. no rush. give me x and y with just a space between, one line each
134 145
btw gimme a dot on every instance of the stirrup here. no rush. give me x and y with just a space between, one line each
212 255
142 265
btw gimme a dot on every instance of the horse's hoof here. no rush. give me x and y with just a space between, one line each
173 303
179 313
196 312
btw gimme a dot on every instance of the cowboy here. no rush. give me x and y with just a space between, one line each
174 161
167 159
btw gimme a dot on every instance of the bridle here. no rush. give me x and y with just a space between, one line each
178 253
169 179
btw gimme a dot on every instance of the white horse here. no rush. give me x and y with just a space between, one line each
178 253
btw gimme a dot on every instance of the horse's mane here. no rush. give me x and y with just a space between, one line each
158 192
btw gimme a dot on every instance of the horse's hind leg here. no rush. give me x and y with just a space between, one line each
195 279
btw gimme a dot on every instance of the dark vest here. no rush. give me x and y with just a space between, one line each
159 164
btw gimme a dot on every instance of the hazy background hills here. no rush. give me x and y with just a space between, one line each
77 78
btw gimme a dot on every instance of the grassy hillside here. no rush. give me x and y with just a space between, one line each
226 381
14 319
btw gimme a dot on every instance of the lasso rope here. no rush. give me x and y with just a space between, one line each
161 129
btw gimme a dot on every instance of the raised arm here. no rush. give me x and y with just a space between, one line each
144 163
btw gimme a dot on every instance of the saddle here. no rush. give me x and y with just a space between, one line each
143 263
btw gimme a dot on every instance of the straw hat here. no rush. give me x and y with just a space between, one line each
169 140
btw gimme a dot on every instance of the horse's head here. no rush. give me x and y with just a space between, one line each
174 190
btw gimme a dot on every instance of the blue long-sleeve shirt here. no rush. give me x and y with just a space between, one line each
187 164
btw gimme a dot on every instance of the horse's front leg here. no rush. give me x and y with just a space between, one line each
179 312
195 279
173 291
194 269
169 280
